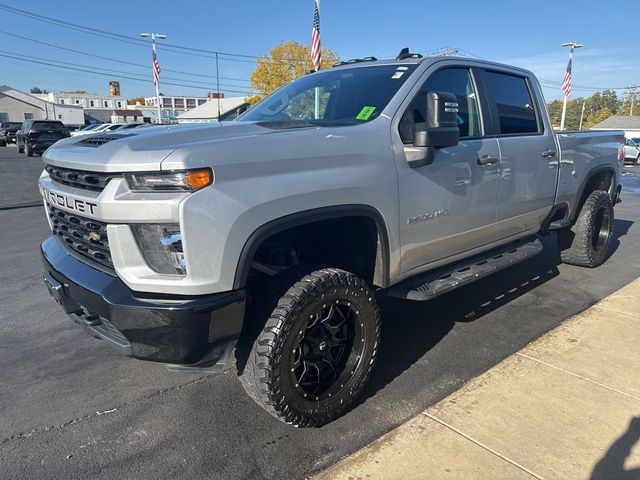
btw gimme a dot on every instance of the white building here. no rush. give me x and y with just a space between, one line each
17 106
180 104
85 100
208 112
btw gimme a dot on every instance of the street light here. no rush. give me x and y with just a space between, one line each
153 37
572 46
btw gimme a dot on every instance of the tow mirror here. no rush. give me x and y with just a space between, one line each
441 129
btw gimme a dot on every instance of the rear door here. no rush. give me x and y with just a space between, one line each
449 206
528 157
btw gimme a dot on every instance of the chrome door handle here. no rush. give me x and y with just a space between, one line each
487 160
549 153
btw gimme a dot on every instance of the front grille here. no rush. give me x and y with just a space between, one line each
95 181
85 236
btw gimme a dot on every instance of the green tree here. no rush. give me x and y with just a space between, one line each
284 63
38 90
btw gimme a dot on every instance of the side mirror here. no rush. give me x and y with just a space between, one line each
441 128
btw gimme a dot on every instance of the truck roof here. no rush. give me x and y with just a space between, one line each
415 60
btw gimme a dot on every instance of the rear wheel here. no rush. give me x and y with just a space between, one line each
28 150
638 160
3 143
587 242
315 353
20 148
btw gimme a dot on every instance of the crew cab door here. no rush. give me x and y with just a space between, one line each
448 206
528 152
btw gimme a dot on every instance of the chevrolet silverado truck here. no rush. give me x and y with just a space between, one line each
268 242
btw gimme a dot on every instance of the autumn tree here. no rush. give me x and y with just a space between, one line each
284 63
136 100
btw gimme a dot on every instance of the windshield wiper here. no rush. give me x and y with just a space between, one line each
285 124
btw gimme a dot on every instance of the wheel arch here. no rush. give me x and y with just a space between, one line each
600 176
308 217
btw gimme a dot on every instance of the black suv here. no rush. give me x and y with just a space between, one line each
35 136
8 132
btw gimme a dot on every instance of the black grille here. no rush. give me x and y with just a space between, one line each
95 181
85 236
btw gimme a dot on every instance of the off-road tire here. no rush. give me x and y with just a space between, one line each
266 374
28 150
21 148
587 242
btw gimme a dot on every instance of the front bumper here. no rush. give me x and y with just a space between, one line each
194 331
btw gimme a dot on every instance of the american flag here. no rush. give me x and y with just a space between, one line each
316 51
156 69
566 82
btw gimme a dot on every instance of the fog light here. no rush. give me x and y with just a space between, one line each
161 247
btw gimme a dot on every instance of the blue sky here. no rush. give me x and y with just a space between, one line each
527 34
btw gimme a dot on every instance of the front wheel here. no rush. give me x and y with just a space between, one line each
21 148
587 243
637 162
317 349
28 150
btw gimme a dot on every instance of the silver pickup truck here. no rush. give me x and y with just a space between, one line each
268 242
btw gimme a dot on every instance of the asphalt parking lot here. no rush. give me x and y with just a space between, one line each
71 408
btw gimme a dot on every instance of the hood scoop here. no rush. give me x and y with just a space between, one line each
101 140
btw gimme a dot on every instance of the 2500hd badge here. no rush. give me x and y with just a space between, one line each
81 206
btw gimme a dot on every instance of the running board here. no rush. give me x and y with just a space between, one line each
438 282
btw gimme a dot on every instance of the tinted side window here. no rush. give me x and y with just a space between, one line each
516 113
453 80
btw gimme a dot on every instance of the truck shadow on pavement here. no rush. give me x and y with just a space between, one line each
411 329
611 466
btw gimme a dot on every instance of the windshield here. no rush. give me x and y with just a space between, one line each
333 97
636 140
10 125
47 126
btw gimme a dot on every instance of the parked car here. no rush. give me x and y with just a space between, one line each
8 132
129 126
35 136
632 150
273 237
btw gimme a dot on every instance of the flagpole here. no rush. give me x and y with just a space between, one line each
153 46
316 114
157 83
572 45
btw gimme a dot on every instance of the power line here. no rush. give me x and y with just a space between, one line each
132 40
116 60
244 92
117 72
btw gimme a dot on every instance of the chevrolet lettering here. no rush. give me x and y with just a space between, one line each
82 206
415 176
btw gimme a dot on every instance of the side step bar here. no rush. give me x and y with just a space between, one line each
438 282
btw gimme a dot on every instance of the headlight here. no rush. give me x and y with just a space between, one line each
161 247
172 181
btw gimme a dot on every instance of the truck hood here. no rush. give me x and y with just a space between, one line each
146 149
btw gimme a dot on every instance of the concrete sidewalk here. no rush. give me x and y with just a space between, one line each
567 406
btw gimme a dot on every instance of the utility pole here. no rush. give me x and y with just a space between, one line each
218 85
572 46
153 37
584 104
632 94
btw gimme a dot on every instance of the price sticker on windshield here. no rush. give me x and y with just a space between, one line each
365 113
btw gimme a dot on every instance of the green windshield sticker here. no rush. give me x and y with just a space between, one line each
365 113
